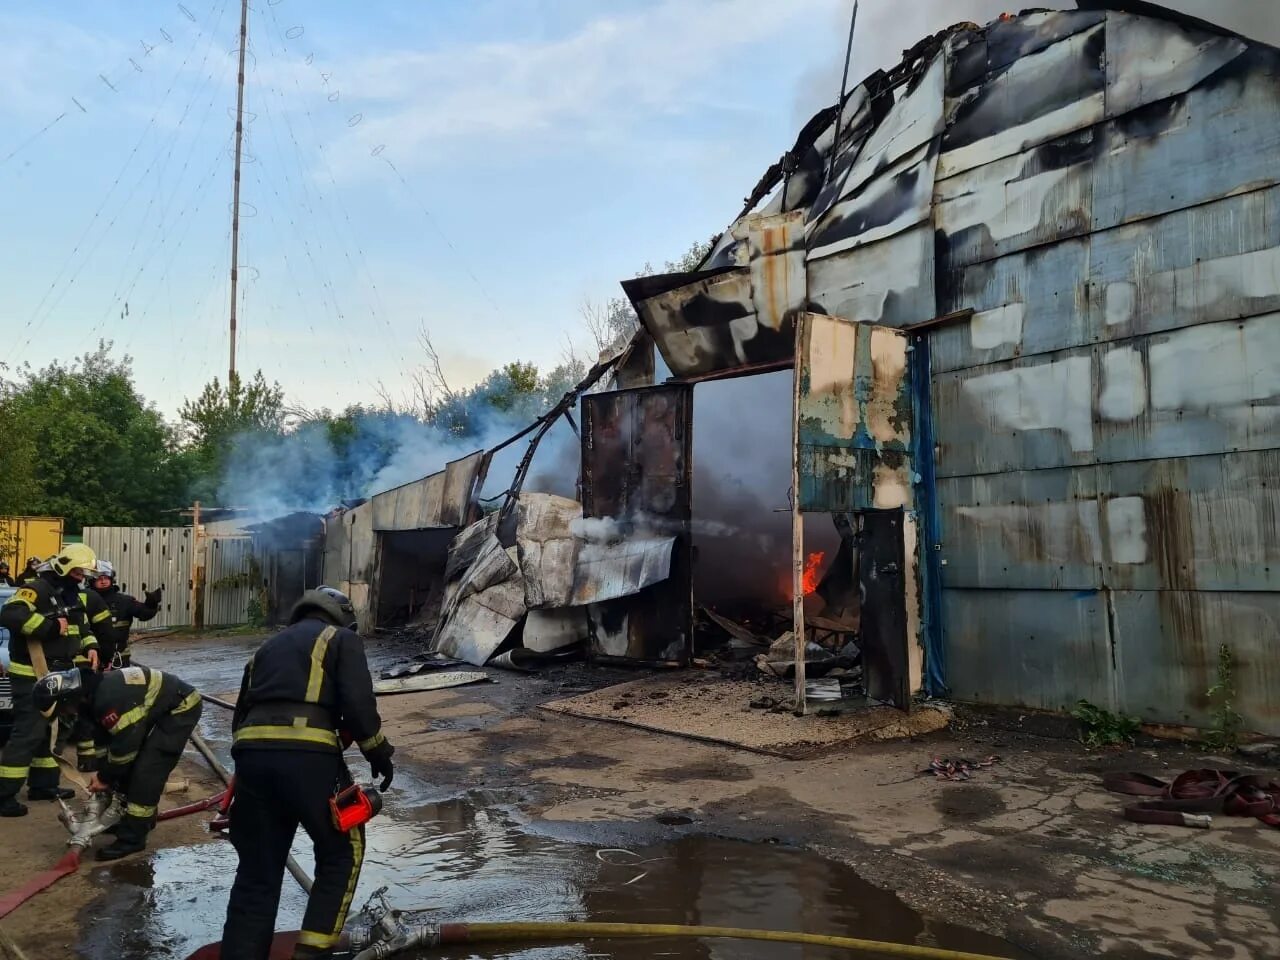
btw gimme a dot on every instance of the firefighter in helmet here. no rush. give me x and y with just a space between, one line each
124 610
305 692
55 622
31 571
143 718
5 579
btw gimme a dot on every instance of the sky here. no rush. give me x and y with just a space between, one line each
474 168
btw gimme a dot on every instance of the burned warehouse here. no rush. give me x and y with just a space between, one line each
1011 309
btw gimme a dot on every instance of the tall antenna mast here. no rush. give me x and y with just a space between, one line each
235 195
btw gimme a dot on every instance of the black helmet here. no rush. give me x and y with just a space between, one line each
55 689
331 604
4 564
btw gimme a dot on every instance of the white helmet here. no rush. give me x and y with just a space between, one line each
106 569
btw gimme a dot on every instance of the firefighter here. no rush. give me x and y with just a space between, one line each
30 572
144 717
54 623
5 579
124 610
304 692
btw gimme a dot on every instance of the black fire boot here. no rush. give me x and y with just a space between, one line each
122 846
131 837
37 795
10 807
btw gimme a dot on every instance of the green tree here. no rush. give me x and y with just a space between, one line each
17 455
101 453
211 423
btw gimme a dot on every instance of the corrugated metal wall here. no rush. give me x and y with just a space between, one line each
148 557
231 578
1107 425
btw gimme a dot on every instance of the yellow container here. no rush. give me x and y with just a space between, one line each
22 537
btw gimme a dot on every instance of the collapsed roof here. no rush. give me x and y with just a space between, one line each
893 183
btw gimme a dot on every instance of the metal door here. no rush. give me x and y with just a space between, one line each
853 456
636 463
886 671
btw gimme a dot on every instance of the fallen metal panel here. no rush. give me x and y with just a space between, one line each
1214 388
547 630
1199 523
1032 530
1219 261
899 198
413 506
1174 154
1044 649
890 283
146 558
1040 97
1167 651
547 548
1150 59
1015 416
1025 304
607 571
459 483
488 604
853 424
427 681
1030 198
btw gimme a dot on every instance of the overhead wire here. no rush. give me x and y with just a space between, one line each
42 314
379 152
130 64
158 240
377 307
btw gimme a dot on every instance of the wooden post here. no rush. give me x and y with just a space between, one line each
797 523
197 570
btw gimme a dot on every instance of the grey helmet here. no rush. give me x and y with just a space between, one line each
331 604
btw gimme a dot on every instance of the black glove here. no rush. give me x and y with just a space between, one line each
381 765
152 598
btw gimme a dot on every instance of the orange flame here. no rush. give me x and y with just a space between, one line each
811 567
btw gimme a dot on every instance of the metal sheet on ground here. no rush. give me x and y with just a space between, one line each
428 681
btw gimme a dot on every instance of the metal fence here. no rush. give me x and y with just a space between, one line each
146 558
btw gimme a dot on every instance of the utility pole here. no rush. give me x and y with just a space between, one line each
235 194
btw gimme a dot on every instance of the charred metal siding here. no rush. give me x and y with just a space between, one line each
1106 426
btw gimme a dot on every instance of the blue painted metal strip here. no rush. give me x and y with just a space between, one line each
930 514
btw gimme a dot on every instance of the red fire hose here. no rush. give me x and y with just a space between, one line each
208 803
12 900
70 861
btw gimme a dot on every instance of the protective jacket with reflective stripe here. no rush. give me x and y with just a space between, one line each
124 610
33 613
302 686
125 704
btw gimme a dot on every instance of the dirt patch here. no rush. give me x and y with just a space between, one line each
711 709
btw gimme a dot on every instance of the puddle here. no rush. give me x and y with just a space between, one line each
469 859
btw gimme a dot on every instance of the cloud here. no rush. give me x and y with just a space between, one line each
591 85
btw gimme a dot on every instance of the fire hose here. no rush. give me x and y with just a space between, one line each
384 935
451 934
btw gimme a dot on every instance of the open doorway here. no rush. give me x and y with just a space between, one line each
411 567
742 516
